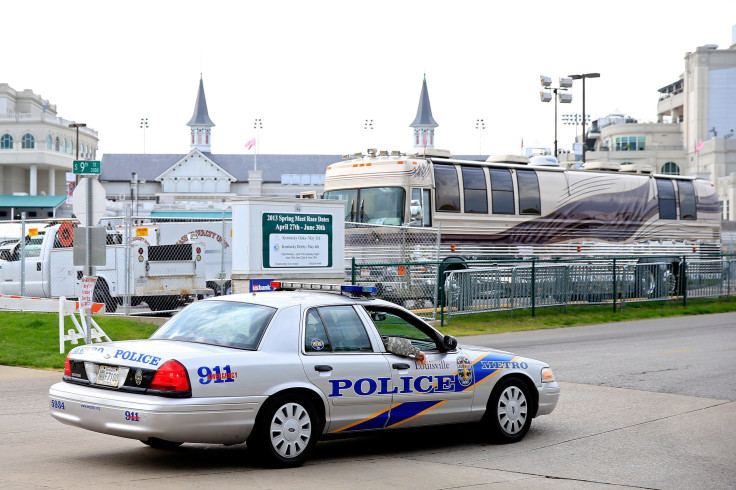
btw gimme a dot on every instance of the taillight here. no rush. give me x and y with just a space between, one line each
171 376
67 367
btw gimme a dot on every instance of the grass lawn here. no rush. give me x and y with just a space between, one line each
32 339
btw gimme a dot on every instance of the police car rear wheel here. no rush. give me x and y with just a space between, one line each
509 413
287 431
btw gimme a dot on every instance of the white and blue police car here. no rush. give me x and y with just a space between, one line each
278 370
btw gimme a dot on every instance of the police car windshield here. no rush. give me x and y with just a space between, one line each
225 323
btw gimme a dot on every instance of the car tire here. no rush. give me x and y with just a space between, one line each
286 430
509 412
157 443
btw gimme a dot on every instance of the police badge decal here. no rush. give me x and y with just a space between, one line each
464 371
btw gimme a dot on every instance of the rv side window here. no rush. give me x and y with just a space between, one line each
528 192
420 208
447 188
474 189
687 200
502 191
666 192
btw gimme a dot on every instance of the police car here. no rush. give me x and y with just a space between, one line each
281 369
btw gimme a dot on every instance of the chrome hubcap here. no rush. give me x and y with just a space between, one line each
291 429
512 410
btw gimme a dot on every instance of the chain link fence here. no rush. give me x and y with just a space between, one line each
149 265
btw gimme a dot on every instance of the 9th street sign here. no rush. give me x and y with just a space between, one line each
88 167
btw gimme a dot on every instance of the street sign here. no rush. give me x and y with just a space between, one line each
98 245
87 167
88 289
99 199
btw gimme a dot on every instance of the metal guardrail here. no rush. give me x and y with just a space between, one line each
436 289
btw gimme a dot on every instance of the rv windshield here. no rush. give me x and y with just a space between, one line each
376 205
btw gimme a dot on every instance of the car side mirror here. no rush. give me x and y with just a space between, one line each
450 342
378 317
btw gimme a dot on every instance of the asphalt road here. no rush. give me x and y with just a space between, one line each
644 404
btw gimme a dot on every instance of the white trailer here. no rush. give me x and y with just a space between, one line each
215 235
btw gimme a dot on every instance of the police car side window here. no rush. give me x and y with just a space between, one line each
391 324
315 336
344 328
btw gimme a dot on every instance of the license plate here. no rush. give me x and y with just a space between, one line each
108 376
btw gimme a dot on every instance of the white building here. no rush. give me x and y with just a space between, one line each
694 132
195 184
37 148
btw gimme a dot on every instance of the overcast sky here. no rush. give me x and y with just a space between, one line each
314 71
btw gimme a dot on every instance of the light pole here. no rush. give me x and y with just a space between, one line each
480 125
144 126
77 125
574 120
368 125
559 94
257 125
583 77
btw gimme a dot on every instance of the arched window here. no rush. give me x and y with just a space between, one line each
6 142
63 145
49 144
71 147
28 141
56 146
670 168
627 163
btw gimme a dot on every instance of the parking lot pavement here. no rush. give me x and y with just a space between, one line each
597 436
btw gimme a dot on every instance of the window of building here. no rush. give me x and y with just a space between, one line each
49 144
529 202
71 147
502 191
6 142
666 193
28 142
474 189
670 168
630 143
63 145
57 145
686 190
447 188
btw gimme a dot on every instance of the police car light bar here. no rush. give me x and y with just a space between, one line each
306 286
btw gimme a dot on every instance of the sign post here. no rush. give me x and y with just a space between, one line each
87 218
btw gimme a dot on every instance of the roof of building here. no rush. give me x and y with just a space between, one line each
200 116
31 201
117 167
424 111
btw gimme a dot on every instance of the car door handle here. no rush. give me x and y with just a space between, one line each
400 365
322 368
38 266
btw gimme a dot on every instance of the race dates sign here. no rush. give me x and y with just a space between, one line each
296 240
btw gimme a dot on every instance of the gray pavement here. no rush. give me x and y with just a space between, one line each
599 436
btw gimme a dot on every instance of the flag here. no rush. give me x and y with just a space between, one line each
699 146
251 144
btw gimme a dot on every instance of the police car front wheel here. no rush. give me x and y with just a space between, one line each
509 411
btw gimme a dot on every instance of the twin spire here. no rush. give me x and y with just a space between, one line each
201 138
201 124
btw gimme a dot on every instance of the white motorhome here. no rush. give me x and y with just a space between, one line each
161 276
514 207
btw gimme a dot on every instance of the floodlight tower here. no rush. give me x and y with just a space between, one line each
560 93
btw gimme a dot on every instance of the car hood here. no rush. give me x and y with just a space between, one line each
142 353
